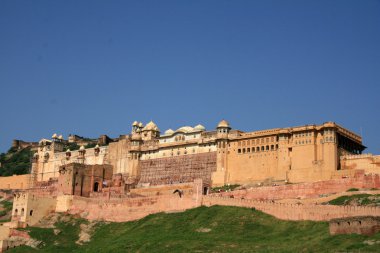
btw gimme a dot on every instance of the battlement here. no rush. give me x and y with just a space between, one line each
287 211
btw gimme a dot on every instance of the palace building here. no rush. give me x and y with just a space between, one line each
148 157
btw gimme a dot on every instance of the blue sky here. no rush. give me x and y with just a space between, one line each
93 67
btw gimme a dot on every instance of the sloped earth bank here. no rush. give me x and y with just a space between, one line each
203 229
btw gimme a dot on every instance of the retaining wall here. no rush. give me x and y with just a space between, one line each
286 211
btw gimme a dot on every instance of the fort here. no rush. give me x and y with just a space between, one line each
221 156
136 174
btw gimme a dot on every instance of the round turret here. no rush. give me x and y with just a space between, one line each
135 123
54 136
223 124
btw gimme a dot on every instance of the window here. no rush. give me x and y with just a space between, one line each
31 213
239 151
248 150
243 150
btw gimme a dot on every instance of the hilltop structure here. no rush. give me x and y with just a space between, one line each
145 157
145 172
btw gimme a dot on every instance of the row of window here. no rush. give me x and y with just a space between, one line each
257 149
299 135
303 142
257 141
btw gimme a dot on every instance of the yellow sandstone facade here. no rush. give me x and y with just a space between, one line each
145 157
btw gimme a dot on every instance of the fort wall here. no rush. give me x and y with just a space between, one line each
369 162
29 208
178 169
286 211
129 209
15 182
358 225
309 190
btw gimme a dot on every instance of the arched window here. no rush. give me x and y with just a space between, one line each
31 213
22 211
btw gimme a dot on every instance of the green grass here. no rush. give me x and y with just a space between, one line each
231 229
353 190
7 205
225 188
357 199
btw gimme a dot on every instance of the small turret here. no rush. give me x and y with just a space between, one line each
223 128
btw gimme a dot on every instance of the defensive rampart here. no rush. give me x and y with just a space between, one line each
15 182
119 210
294 211
309 190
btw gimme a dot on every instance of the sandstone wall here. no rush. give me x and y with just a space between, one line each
178 169
130 209
187 189
357 225
309 190
29 208
15 182
369 162
294 211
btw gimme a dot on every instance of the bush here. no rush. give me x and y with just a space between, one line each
353 190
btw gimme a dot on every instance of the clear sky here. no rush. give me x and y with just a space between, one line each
93 67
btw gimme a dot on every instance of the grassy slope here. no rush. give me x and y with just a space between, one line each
357 199
233 229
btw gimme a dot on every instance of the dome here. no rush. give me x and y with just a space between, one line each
54 136
141 124
135 123
81 147
60 137
169 132
199 127
97 146
185 129
68 150
151 126
223 123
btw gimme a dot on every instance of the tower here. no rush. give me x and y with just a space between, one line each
150 131
220 176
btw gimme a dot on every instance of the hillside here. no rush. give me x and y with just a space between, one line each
357 200
15 162
213 229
